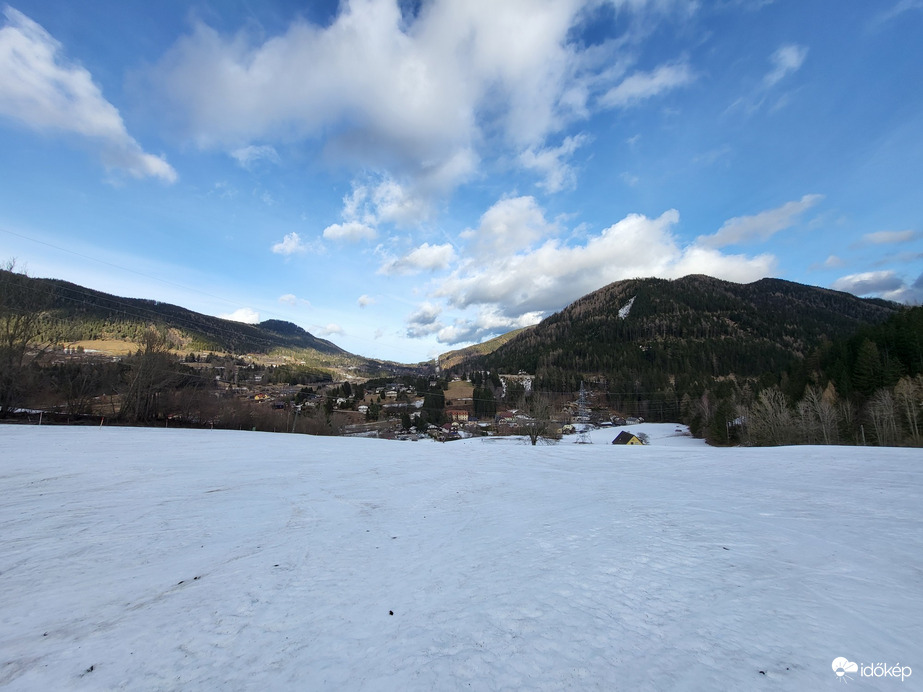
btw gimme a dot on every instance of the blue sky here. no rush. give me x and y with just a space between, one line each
404 178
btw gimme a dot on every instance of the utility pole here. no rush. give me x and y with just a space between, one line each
583 418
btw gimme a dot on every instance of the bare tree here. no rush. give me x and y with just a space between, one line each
22 301
828 415
882 413
819 416
807 422
538 426
770 421
152 374
846 415
78 383
909 394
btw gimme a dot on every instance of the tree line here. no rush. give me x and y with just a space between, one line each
864 389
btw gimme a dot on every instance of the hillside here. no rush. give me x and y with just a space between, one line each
71 313
462 355
87 313
652 334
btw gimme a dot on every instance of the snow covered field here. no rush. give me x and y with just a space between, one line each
145 559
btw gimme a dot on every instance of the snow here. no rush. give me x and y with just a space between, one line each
626 308
149 559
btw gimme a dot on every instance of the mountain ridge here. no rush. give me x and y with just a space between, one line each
694 326
70 313
697 314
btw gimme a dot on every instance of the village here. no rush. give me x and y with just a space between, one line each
281 395
397 410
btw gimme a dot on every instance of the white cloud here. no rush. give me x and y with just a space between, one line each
761 226
488 323
900 8
378 199
365 301
424 258
293 300
737 268
223 190
869 283
882 284
890 237
786 60
424 321
291 244
392 91
350 231
641 86
332 329
551 163
246 315
42 91
509 226
834 262
251 155
545 278
394 203
417 95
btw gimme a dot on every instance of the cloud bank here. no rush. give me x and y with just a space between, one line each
418 95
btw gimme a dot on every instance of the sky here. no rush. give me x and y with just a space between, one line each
404 178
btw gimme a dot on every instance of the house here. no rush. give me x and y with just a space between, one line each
626 438
505 416
458 415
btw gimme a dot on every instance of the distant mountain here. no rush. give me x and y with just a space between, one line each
92 314
76 313
648 335
462 355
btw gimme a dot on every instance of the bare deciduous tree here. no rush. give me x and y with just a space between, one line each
909 395
152 374
22 301
538 426
882 413
770 421
819 416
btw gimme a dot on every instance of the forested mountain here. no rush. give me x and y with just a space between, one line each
657 329
647 342
69 313
88 314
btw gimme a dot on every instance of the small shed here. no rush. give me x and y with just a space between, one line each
626 438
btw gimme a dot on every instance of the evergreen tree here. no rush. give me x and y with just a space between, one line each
867 372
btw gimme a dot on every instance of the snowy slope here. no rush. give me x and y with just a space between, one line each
626 308
149 559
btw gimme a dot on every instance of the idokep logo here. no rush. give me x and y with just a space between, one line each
843 666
